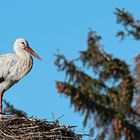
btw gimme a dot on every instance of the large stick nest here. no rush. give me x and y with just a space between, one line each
15 128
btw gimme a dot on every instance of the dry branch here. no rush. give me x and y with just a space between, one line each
15 128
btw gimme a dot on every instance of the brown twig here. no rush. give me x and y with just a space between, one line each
15 128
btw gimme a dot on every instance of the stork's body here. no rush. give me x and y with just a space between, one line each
15 66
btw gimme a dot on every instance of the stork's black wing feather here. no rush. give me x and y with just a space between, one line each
2 79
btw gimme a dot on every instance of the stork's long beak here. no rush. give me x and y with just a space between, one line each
29 50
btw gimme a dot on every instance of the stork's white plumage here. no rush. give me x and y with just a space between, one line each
15 66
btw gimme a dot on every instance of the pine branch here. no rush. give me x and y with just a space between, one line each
94 56
83 100
131 25
10 110
100 104
97 94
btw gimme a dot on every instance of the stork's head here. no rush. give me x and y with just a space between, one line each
21 45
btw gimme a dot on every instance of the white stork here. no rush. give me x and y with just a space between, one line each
15 66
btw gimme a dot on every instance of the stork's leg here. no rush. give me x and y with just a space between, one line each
1 95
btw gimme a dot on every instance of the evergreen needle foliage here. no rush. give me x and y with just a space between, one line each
104 95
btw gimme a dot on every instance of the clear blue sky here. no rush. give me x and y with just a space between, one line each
52 24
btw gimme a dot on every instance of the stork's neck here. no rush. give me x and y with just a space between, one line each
24 63
23 55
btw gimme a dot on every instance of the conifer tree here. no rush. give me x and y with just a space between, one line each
104 95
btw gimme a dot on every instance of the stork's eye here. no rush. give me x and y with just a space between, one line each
22 43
